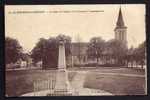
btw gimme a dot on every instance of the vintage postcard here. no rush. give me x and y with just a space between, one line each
75 50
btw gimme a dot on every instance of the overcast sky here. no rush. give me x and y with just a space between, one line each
27 28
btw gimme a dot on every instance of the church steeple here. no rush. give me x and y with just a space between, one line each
120 22
121 29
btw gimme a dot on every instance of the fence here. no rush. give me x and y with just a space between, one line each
41 85
47 86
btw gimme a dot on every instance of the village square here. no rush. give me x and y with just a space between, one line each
58 66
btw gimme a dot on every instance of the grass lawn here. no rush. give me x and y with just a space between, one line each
124 70
116 84
21 81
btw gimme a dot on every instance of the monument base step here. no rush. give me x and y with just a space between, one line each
60 93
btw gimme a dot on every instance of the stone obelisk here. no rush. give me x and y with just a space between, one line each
62 86
61 56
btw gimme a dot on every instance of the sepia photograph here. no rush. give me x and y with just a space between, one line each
75 50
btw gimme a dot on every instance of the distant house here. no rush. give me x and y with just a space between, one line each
79 52
39 64
79 56
21 63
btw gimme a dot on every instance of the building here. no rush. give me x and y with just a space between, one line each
79 50
121 29
79 53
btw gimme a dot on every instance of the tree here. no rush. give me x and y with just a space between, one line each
38 51
13 50
46 50
96 47
140 54
137 55
43 49
130 56
67 40
79 40
118 51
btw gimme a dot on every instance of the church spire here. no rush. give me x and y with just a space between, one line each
121 29
120 22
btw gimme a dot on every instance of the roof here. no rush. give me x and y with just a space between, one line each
120 21
79 48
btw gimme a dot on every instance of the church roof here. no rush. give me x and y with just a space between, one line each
120 22
76 47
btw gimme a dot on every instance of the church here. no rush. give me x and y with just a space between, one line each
121 29
79 50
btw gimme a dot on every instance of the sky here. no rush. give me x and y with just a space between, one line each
28 23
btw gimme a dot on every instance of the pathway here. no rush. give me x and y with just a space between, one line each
78 82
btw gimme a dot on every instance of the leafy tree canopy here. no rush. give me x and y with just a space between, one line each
46 50
13 50
96 47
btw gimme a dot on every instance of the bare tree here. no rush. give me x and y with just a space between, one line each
96 47
79 40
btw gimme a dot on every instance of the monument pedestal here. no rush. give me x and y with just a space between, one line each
62 86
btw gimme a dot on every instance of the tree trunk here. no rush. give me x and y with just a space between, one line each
97 60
